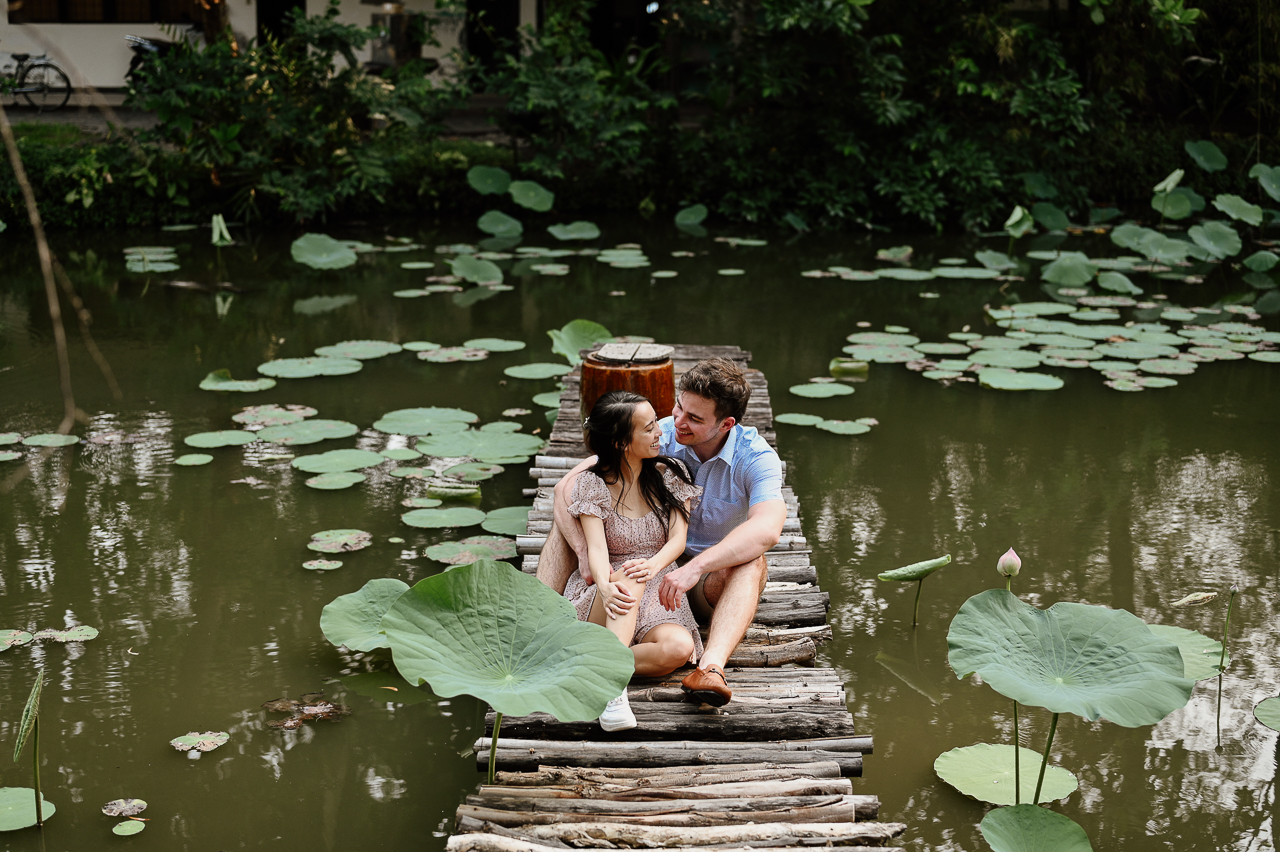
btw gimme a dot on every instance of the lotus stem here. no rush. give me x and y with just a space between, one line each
35 768
1008 587
1053 726
915 616
1222 658
1017 773
493 745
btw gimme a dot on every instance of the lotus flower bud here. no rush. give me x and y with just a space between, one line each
1009 564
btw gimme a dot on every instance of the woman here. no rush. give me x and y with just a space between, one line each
633 505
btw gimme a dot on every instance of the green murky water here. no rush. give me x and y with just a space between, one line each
194 577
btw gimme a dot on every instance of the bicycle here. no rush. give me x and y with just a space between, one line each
44 85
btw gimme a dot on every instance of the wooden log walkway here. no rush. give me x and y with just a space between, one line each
771 770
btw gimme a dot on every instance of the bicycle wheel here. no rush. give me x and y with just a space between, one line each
45 86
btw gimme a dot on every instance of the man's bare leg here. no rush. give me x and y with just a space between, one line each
557 561
734 593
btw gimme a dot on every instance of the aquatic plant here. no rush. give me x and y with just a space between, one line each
17 810
916 571
1008 566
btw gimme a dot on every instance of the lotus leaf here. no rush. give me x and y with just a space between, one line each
906 274
1261 261
460 516
510 520
1167 367
335 481
308 432
453 489
1071 658
494 344
487 446
305 368
1207 155
1014 359
453 354
124 807
424 421
401 454
996 260
322 565
220 380
223 438
575 336
883 338
1237 208
1268 178
51 439
1015 380
491 631
575 231
531 195
473 548
1084 355
1200 654
207 741
663 273
1167 250
475 270
1269 357
1171 205
353 620
1132 350
474 471
320 251
694 215
12 638
916 570
413 472
1118 282
339 541
420 502
796 419
128 828
79 633
500 224
1029 828
1070 268
18 808
731 272
360 350
9 438
1115 367
943 375
193 459
843 367
337 461
322 304
1061 341
488 180
1267 712
421 346
1050 216
1213 353
417 264
843 427
881 354
550 399
822 390
537 371
273 415
986 772
1219 239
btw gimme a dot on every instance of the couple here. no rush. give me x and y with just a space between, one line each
669 522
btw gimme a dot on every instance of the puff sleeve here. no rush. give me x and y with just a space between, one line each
590 497
680 489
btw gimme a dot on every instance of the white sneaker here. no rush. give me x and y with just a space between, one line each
617 715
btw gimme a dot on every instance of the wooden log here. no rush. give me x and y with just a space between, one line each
780 835
659 721
791 678
516 754
751 698
762 788
668 776
802 651
531 543
518 811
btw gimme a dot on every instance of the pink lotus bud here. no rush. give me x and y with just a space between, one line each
1009 564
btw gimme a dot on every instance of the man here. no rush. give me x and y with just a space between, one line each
738 519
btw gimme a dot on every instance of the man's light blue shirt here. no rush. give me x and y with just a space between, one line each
745 472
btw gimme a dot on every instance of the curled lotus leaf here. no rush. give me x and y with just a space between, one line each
128 828
494 344
797 419
1118 282
986 772
500 224
1019 222
1071 658
335 481
320 251
308 432
1267 712
425 421
1200 654
575 231
18 808
843 427
305 368
1239 209
193 459
824 390
207 741
452 354
339 541
359 350
531 195
322 565
474 471
916 570
222 438
575 336
337 461
1070 269
353 620
124 807
273 415
1030 828
51 439
510 520
13 638
471 549
537 370
460 516
1017 380
1195 599
220 380
488 180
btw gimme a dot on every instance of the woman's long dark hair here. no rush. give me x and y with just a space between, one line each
608 432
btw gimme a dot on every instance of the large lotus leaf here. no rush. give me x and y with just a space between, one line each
488 180
353 620
1207 155
1268 177
1132 350
539 370
475 270
986 772
320 251
510 520
18 807
1129 235
577 335
821 390
1118 282
51 439
491 631
1070 268
1013 359
1219 239
360 350
308 432
916 570
531 195
690 216
1050 216
337 461
220 380
500 224
486 446
224 438
1171 205
1030 828
424 421
575 231
430 519
1261 261
305 368
1237 208
1158 247
1200 654
339 541
473 548
1267 712
996 260
1070 658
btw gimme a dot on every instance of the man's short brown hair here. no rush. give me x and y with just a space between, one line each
721 381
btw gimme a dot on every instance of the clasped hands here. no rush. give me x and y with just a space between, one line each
618 601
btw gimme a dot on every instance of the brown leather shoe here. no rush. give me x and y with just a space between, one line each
707 686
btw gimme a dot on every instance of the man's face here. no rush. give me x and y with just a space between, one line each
695 421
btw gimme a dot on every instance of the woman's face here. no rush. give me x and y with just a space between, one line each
645 434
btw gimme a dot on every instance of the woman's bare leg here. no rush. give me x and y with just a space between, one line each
624 628
663 649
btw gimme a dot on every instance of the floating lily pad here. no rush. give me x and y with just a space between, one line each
335 481
476 270
307 708
304 368
473 548
1133 350
500 224
193 459
308 432
337 461
1167 367
895 254
515 412
401 454
413 472
79 633
537 370
128 828
550 399
575 231
220 380
13 638
1030 828
965 272
473 471
322 565
359 350
942 348
124 807
843 427
320 251
222 438
490 446
531 195
1014 359
494 344
881 354
1261 261
906 274
339 541
821 391
511 520
1015 380
453 354
460 516
352 620
731 272
10 438
424 421
883 338
986 772
18 808
272 414
1269 357
488 180
417 264
1267 712
1070 268
51 439
207 741
1200 654
797 419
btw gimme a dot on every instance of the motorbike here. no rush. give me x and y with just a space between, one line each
144 51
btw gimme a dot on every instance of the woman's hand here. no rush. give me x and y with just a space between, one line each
615 598
640 570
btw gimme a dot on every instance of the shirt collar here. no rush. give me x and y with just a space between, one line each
727 451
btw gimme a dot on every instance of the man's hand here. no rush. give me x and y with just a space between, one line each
676 584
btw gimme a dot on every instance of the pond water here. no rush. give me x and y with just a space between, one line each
194 575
